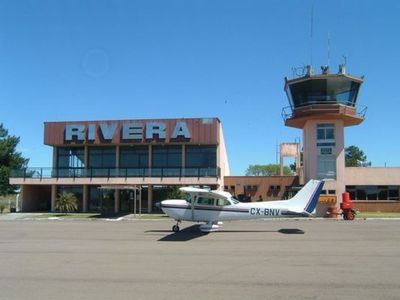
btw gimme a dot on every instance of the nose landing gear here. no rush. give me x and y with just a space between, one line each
176 228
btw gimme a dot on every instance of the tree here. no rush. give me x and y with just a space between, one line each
174 193
67 202
266 170
10 159
354 157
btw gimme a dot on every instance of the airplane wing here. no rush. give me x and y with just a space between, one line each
205 193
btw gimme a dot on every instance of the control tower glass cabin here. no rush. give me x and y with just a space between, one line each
322 105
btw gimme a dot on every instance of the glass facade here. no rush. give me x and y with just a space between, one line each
134 157
201 156
100 200
102 161
134 161
167 156
339 90
201 161
102 157
70 161
167 161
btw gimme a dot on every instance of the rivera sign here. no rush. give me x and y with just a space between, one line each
129 131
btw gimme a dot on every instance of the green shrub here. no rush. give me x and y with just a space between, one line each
66 203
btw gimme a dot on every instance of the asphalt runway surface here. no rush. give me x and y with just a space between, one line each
280 259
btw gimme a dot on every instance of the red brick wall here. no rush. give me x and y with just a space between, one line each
382 206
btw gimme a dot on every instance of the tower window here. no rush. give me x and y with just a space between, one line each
326 167
325 132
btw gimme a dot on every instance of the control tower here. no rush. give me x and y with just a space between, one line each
322 105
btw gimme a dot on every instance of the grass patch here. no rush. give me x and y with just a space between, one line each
99 216
152 216
378 215
70 216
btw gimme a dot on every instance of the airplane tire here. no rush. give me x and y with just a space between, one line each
175 228
351 216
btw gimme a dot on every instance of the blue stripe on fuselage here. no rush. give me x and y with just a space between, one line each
219 209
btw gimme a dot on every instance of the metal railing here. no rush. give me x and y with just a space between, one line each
289 112
41 173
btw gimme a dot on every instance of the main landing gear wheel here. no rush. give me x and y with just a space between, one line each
175 228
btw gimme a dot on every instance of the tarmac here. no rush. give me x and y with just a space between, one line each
143 259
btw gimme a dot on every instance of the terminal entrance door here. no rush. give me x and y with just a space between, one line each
101 200
126 198
130 199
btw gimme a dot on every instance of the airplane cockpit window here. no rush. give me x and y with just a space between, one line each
222 202
205 201
188 198
235 201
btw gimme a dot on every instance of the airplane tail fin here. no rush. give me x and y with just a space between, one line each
306 199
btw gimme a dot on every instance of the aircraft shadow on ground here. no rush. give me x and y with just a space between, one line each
108 215
193 232
186 234
283 231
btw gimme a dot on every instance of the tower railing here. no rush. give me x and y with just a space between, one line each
289 112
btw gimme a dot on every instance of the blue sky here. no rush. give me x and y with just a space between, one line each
92 60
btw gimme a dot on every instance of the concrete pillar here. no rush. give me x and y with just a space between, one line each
85 198
21 198
116 200
53 197
149 198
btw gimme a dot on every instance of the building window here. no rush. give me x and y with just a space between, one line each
70 158
134 157
326 151
393 193
326 167
330 90
201 156
372 193
101 200
102 157
167 157
325 132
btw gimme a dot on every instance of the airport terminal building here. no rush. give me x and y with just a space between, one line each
125 165
129 165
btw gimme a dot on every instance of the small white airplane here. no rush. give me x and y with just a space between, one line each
212 207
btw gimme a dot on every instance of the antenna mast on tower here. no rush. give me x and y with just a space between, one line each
311 33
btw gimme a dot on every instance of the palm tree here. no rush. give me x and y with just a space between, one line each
66 203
